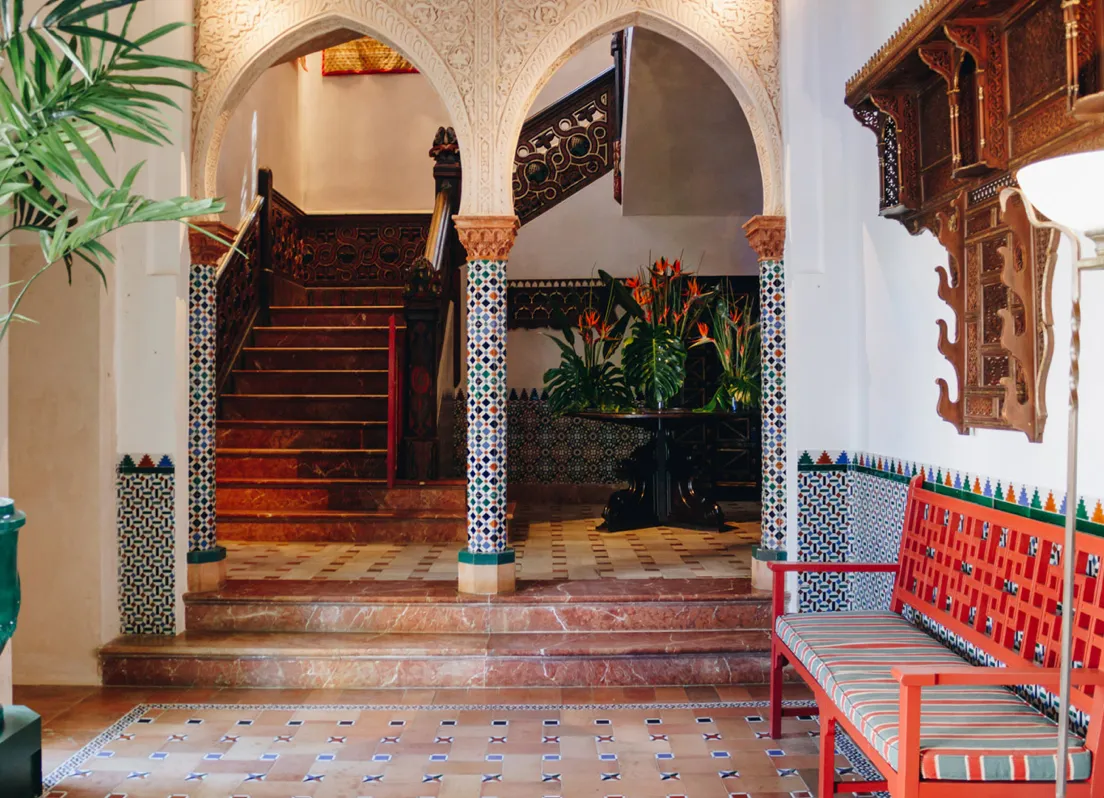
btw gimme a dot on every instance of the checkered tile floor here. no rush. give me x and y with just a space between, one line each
441 751
554 542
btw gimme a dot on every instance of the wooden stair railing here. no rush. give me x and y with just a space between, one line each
394 400
238 294
431 298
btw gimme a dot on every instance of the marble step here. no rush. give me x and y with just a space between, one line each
301 463
335 494
350 661
675 605
301 337
276 434
331 382
300 407
335 316
374 526
360 295
286 358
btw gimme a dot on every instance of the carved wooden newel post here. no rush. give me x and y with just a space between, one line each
767 236
487 564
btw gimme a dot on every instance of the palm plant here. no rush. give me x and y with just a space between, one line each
69 83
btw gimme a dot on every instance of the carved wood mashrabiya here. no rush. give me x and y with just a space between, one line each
964 94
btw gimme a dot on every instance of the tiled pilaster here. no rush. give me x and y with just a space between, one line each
145 523
767 236
487 564
206 559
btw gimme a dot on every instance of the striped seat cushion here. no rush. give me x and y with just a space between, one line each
975 734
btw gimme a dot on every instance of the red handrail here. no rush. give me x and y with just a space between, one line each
394 402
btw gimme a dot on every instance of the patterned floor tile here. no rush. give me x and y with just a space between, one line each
553 542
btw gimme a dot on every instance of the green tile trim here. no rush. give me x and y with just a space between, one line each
877 472
768 555
486 557
217 554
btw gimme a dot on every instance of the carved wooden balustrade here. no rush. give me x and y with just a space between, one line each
238 299
963 95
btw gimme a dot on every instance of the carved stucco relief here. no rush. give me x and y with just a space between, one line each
487 59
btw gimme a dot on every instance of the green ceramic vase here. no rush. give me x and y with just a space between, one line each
10 522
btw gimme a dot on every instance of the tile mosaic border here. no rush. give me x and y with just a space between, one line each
1020 498
145 524
111 733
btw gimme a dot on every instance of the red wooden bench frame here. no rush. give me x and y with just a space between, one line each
959 532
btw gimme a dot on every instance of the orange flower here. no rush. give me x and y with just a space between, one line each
694 290
661 266
590 319
735 315
676 267
728 354
663 317
703 331
632 283
648 316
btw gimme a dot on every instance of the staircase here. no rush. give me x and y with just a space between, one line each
423 634
302 436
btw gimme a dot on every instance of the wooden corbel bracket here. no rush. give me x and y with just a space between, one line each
951 232
901 107
984 42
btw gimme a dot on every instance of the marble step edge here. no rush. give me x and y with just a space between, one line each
429 646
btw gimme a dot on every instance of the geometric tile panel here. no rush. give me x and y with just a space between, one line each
546 448
877 515
201 409
144 525
772 325
824 530
487 400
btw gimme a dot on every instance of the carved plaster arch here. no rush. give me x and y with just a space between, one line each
237 43
739 40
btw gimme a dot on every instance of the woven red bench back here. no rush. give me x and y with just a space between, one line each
956 556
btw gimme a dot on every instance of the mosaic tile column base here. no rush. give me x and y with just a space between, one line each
487 564
767 236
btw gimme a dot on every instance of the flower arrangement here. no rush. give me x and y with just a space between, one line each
665 302
651 320
736 339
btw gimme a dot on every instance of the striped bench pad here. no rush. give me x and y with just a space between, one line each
975 734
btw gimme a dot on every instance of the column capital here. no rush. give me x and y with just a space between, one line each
487 237
767 236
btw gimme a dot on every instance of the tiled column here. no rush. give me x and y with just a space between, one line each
206 559
767 236
487 564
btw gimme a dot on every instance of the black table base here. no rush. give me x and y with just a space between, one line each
661 488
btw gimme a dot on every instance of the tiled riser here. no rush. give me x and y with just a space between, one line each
289 435
358 356
354 673
321 337
304 408
304 465
210 616
372 530
337 496
335 317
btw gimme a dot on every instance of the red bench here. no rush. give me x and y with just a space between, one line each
932 723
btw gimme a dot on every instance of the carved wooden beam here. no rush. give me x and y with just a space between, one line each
900 106
1029 274
984 42
951 231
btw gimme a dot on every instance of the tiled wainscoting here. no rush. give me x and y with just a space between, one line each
851 506
545 448
144 523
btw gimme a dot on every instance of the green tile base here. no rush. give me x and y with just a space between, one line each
487 557
21 753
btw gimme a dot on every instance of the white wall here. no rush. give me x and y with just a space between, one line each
340 144
580 69
862 292
263 132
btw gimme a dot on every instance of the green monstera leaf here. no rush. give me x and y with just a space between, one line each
655 363
574 386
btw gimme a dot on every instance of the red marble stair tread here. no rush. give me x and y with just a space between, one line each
337 515
590 591
436 645
305 407
324 381
240 493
